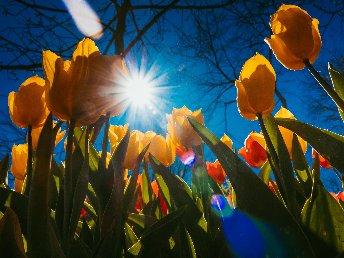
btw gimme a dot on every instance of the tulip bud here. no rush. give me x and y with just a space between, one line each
133 150
179 128
295 38
256 88
163 149
27 106
18 185
84 88
287 134
254 152
19 161
226 140
216 171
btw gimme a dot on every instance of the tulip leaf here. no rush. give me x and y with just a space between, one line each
112 226
327 144
17 202
147 191
39 222
285 174
86 234
338 83
4 169
164 228
11 240
301 167
179 196
142 220
323 217
259 202
130 236
264 173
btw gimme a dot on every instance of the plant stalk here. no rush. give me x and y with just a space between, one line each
325 85
29 161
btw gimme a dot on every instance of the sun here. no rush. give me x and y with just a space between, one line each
139 91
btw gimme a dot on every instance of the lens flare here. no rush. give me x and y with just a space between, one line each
186 155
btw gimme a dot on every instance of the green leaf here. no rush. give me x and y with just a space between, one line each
11 240
130 236
18 203
264 173
338 83
80 190
301 167
254 197
169 184
39 222
327 144
324 218
4 169
149 242
285 175
141 220
147 191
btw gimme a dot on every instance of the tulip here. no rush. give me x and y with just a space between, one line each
19 161
323 162
36 132
216 171
27 106
254 152
226 140
295 38
287 134
116 134
256 88
84 88
340 196
179 128
134 149
163 149
107 159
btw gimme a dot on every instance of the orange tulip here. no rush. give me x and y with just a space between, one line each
323 162
295 38
254 151
158 195
18 185
256 88
86 87
179 128
287 134
163 149
19 160
116 134
216 171
27 106
134 149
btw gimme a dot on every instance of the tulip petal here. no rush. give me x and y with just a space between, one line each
244 106
317 41
86 48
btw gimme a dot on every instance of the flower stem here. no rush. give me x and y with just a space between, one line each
29 161
68 184
325 85
106 138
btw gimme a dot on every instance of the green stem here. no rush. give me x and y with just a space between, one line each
105 139
29 161
325 85
68 184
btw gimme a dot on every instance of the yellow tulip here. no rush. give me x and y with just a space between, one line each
179 128
85 87
287 134
295 38
226 140
108 158
27 106
19 160
36 132
163 149
116 134
134 149
256 88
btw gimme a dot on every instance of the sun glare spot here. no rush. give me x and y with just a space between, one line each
139 91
